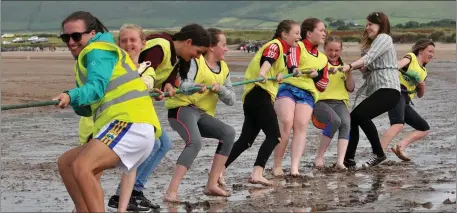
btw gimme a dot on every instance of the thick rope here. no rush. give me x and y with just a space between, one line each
192 89
28 105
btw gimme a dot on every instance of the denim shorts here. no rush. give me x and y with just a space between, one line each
298 95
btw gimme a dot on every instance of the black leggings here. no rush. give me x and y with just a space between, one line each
403 113
259 114
376 104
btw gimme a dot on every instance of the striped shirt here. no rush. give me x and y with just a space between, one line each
381 66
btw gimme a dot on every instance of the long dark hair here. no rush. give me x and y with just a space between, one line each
308 25
91 22
384 27
199 36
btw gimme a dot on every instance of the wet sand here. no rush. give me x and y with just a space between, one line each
34 138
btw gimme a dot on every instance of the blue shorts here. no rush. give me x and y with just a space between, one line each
298 95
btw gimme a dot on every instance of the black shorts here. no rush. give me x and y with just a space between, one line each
403 113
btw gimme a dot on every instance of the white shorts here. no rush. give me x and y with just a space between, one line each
132 142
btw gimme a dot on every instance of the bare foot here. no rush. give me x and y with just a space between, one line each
171 197
260 180
278 172
319 163
221 180
215 191
400 153
340 167
294 174
172 207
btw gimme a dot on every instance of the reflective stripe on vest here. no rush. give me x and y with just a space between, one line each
130 75
123 98
127 77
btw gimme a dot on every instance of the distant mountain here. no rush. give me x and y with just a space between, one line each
47 15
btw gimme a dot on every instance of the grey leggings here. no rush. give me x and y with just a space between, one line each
330 116
192 124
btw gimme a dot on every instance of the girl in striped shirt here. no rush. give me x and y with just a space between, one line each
382 86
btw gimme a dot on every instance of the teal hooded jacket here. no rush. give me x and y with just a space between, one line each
99 65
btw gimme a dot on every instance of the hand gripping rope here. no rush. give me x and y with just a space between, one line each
192 89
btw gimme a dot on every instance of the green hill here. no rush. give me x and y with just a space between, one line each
47 15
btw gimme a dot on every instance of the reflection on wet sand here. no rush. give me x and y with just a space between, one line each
206 206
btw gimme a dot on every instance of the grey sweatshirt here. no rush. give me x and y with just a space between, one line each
226 92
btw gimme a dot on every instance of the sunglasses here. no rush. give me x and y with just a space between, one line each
75 36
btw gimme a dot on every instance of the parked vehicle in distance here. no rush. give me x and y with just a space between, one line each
40 40
33 38
7 35
18 40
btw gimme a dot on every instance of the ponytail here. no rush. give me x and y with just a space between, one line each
182 68
284 26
